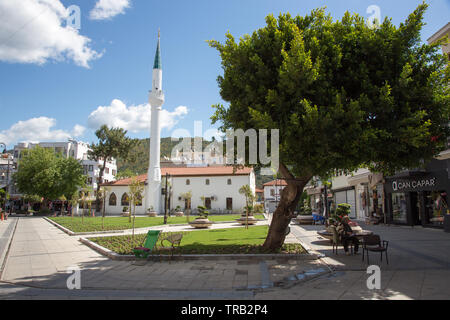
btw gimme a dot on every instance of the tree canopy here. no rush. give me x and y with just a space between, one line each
341 93
113 143
48 175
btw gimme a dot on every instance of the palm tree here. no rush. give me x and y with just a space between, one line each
249 200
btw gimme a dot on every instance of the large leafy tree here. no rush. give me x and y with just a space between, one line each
341 93
113 143
48 175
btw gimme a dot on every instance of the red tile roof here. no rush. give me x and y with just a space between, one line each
189 172
259 190
277 182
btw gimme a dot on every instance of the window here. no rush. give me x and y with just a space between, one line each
272 192
207 182
187 204
188 182
229 203
114 172
139 200
90 181
208 203
125 201
399 210
229 181
91 168
112 199
107 170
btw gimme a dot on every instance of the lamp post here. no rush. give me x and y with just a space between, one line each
7 170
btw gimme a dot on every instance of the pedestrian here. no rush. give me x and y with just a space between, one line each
347 236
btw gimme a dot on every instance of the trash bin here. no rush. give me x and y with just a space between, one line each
447 223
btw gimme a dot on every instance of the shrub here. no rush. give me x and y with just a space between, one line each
202 212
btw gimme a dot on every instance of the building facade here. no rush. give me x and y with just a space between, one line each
272 194
215 187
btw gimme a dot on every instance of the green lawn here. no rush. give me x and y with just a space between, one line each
121 223
218 241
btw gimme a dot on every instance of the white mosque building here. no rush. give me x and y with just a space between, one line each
213 185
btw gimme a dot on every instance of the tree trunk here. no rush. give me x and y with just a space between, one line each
285 211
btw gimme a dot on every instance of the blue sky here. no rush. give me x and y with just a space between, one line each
68 93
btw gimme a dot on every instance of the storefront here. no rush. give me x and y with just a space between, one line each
348 196
418 198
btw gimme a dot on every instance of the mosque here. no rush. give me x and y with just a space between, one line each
213 185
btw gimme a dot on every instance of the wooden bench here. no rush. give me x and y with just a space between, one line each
174 239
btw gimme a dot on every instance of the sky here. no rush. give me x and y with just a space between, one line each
60 79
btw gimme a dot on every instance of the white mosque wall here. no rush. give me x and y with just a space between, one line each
218 188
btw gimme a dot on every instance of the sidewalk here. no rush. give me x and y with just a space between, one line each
418 267
6 231
41 253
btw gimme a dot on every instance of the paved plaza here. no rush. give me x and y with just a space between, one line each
40 255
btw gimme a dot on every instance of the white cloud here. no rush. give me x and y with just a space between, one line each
106 9
31 31
37 130
132 118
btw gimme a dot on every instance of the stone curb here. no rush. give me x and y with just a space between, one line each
115 256
5 253
71 233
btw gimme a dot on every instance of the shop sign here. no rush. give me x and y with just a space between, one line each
400 185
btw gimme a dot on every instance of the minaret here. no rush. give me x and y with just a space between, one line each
156 100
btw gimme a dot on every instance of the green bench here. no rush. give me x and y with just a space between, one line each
149 244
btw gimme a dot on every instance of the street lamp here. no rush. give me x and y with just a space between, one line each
7 170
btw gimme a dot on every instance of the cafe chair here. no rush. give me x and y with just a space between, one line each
373 243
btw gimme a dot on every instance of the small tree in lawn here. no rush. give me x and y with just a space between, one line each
103 195
85 197
136 190
113 143
342 95
249 200
187 196
74 201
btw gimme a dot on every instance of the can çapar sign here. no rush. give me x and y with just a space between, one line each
412 184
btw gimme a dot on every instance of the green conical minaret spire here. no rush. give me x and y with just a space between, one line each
157 64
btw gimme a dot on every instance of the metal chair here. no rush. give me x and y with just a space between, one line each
336 240
373 243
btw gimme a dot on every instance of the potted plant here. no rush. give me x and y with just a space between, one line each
151 212
125 212
247 217
202 220
179 212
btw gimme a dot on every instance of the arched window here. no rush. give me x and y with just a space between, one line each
229 181
207 182
125 200
188 182
139 200
112 199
